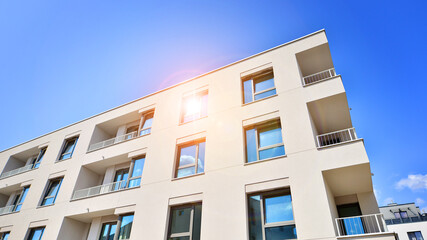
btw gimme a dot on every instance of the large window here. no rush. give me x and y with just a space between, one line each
38 159
194 107
191 159
19 199
35 233
110 229
415 236
68 149
146 122
185 222
264 141
51 191
136 169
4 235
258 86
271 216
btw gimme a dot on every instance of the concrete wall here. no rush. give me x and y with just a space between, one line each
403 229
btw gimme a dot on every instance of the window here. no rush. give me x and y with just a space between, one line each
125 226
109 230
51 192
271 216
68 149
401 214
4 236
194 107
36 233
19 199
37 160
137 167
146 122
264 141
120 179
131 132
258 86
415 236
185 222
187 154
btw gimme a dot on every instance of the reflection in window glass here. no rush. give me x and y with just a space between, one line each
264 142
4 236
36 233
126 227
188 154
258 86
415 236
68 149
182 220
195 107
108 230
51 192
146 126
276 210
22 197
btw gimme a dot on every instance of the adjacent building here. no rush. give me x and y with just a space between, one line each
260 149
406 220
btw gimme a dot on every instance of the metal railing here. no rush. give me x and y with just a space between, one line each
113 141
7 209
318 76
16 171
359 225
333 138
101 189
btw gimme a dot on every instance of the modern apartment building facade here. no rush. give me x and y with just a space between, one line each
406 220
263 148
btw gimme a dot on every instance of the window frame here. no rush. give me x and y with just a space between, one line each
196 162
415 234
21 195
188 234
118 224
3 235
196 95
144 117
268 194
132 169
32 230
38 159
257 127
254 79
50 183
109 228
64 147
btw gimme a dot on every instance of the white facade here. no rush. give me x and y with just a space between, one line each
289 139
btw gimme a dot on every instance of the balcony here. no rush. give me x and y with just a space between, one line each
17 171
337 137
361 225
315 65
121 129
102 189
7 209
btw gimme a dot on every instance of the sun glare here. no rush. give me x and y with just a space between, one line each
193 106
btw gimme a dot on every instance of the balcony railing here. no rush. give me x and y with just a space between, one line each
406 220
318 76
113 141
16 171
106 188
359 225
338 137
7 209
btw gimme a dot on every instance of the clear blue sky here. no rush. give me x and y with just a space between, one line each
62 61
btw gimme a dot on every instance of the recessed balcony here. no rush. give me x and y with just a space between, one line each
361 225
316 65
337 137
23 162
121 129
98 178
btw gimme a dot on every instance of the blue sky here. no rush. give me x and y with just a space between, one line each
62 61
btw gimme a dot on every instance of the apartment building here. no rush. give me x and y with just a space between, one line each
406 220
260 149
